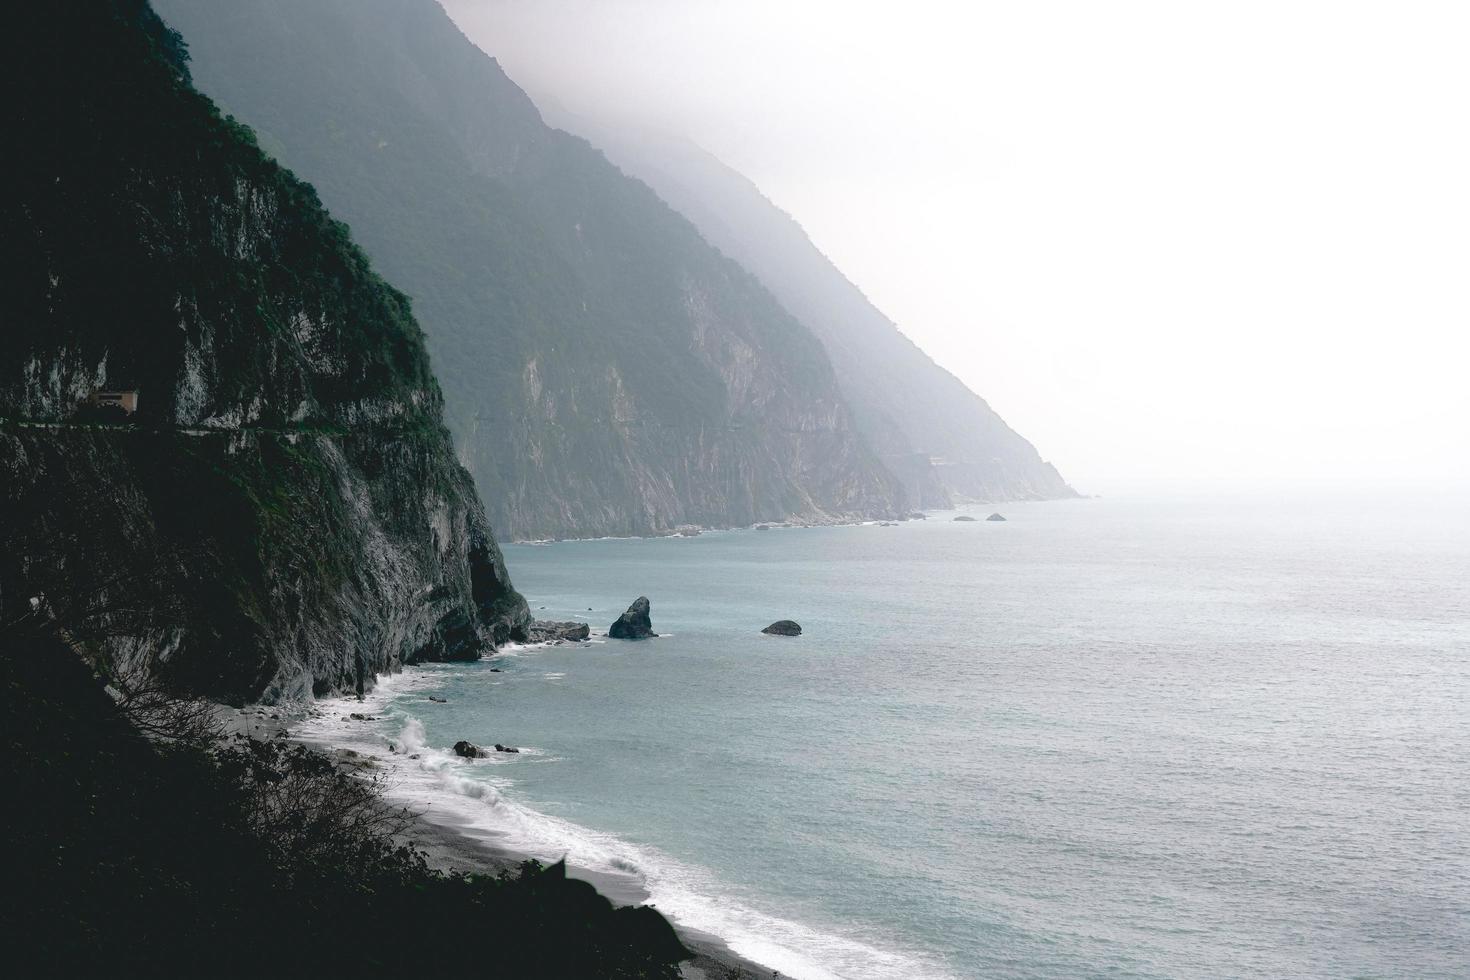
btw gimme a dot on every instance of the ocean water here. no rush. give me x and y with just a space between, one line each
1187 737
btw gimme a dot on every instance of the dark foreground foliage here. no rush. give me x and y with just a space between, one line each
127 855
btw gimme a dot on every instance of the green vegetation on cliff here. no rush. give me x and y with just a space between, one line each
606 370
284 513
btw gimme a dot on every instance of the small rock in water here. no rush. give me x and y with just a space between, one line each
783 627
635 624
995 517
964 517
496 670
918 516
505 748
763 527
469 750
433 697
357 717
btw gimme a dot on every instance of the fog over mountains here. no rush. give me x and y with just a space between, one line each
941 438
606 369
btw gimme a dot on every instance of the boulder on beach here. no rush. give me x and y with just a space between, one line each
783 627
964 517
469 750
995 517
634 624
546 631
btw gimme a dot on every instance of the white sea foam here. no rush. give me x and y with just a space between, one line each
478 794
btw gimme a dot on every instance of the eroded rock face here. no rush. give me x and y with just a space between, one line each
635 624
547 631
285 515
783 627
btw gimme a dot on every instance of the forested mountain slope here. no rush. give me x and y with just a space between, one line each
606 371
284 513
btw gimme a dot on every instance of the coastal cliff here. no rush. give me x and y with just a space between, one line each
283 514
606 371
941 439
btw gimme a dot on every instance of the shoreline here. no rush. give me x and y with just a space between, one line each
455 845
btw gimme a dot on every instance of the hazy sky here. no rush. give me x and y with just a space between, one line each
1183 240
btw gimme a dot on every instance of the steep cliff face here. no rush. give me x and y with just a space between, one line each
606 371
942 439
284 512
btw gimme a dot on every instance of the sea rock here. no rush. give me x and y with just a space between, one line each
783 627
506 748
634 624
496 670
435 697
546 631
763 527
918 516
357 717
964 517
469 750
995 517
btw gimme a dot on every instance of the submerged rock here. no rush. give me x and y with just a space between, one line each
434 697
469 750
964 517
995 517
783 627
545 631
635 624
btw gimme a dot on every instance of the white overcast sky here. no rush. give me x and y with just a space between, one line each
1178 240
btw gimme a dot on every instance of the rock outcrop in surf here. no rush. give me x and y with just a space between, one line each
635 624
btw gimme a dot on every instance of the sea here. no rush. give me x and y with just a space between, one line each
1169 735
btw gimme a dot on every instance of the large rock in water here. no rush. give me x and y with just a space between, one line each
995 517
783 627
469 750
634 624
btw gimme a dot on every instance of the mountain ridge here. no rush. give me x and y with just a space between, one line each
944 440
606 371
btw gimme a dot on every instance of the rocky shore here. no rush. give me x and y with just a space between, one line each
448 845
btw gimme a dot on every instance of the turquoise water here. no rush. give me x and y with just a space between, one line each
1172 738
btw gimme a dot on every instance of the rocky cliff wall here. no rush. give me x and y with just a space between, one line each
284 514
